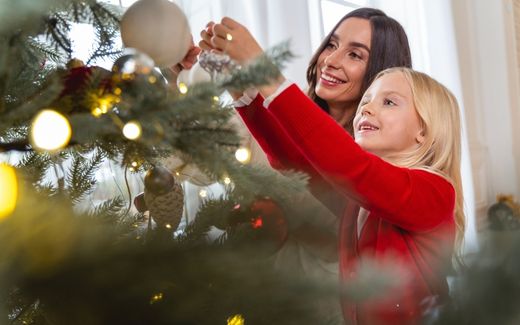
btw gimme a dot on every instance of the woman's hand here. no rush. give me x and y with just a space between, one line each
231 38
235 40
189 59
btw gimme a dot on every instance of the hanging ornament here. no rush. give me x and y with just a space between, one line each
132 62
198 75
183 81
163 197
217 63
186 172
266 220
140 203
158 28
193 76
504 214
78 82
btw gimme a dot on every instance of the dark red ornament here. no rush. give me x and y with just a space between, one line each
265 221
140 203
78 76
159 180
268 222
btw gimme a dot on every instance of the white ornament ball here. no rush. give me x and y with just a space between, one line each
193 76
198 75
183 78
158 28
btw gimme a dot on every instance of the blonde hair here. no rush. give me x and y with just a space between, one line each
441 150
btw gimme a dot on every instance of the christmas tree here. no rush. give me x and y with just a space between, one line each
66 260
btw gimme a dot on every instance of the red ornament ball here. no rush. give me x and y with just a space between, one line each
268 222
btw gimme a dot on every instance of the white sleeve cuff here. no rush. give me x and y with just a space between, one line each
247 98
286 84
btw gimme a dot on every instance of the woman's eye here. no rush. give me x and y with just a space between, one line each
330 45
354 55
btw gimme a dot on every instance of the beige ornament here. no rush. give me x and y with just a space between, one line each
158 28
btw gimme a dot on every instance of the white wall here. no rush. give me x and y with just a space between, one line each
489 74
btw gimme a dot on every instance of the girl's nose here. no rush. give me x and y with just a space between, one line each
367 109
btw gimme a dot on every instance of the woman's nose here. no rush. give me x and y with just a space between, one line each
333 59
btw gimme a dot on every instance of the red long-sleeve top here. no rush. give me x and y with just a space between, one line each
411 211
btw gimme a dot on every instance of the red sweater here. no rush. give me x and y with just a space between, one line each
411 220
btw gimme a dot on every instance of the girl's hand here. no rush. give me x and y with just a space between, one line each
231 38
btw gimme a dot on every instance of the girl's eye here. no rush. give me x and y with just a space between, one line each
388 102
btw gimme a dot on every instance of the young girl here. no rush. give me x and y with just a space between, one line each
400 178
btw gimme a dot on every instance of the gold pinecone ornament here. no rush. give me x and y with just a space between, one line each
164 198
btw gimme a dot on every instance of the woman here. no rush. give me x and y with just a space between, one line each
400 177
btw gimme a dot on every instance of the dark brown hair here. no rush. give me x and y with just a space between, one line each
389 48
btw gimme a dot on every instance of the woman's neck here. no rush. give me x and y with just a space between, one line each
342 113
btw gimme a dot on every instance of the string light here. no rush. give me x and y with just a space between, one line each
97 112
203 193
183 89
50 130
243 155
236 320
132 130
156 298
227 180
152 79
8 190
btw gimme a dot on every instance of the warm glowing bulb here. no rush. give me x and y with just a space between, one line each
97 112
8 190
152 79
216 99
243 155
183 88
132 130
156 298
227 180
50 130
203 193
236 320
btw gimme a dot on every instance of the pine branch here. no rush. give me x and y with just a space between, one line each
262 71
35 165
81 177
22 146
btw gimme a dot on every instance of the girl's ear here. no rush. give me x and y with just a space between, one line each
420 137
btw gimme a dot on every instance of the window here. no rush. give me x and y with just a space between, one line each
333 10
